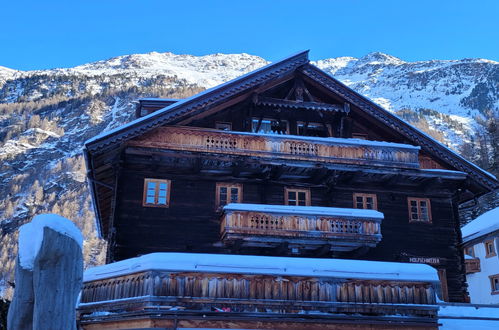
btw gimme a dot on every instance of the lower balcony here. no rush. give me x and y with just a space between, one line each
186 290
472 265
300 227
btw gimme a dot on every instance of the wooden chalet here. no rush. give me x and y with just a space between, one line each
284 161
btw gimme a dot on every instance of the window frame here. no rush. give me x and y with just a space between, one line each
253 119
487 253
297 190
156 192
219 124
227 185
364 201
328 127
492 287
418 201
472 249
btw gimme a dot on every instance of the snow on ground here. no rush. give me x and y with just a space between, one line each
31 236
484 224
468 317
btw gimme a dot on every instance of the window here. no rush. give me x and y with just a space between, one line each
365 201
269 126
494 283
313 129
156 193
299 197
490 250
419 209
224 126
442 276
228 193
469 251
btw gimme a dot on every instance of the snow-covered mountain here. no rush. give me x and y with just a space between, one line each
46 115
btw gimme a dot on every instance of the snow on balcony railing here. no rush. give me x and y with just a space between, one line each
270 225
332 150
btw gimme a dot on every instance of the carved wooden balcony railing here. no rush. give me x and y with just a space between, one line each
472 265
301 227
182 285
331 150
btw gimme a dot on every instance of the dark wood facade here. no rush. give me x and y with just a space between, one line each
316 118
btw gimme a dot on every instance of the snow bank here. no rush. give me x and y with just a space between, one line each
305 210
484 224
31 236
285 266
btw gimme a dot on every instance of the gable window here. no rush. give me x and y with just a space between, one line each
224 126
490 250
313 129
300 197
469 251
228 193
156 193
269 126
419 209
365 201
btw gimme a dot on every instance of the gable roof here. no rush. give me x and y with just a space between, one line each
201 102
483 225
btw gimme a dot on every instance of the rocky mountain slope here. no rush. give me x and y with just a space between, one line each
46 115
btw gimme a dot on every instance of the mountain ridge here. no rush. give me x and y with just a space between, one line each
46 115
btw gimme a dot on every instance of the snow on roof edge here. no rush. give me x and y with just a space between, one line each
481 226
244 264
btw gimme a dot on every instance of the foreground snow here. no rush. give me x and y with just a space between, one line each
468 317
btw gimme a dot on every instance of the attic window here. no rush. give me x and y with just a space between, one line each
313 129
419 209
224 126
156 193
269 126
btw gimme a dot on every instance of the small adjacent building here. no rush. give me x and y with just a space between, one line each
280 199
480 246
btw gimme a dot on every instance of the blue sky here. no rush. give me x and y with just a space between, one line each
53 33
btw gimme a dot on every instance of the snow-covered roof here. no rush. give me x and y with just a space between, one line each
31 236
285 266
483 225
305 210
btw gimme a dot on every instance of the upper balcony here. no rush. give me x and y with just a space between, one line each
300 227
292 147
472 265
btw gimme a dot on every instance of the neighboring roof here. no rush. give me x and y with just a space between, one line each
481 226
305 210
284 266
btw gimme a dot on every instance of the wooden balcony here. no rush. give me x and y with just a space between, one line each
329 150
300 227
168 290
472 265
